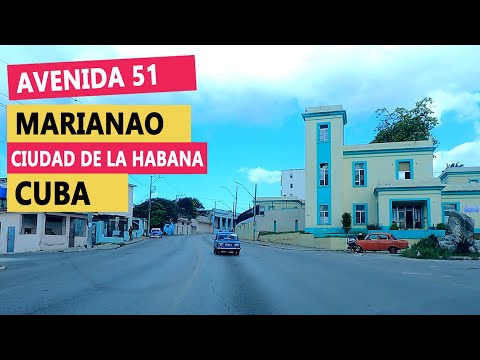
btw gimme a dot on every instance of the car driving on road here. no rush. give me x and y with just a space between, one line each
226 242
156 233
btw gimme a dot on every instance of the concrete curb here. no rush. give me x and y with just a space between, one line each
103 246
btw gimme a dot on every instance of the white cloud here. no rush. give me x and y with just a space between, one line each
361 78
466 154
477 128
465 104
259 175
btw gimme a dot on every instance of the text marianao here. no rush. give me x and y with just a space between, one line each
77 124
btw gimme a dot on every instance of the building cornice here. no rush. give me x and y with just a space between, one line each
408 188
310 115
388 151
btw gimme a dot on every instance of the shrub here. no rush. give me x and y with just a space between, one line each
394 226
429 242
374 227
347 222
441 226
428 248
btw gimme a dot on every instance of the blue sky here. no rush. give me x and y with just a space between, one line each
249 102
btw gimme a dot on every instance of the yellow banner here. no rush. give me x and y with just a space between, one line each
67 192
98 123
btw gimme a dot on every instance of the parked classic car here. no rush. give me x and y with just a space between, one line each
226 241
156 233
379 241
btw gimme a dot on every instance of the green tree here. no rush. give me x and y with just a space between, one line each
189 207
453 165
406 125
163 211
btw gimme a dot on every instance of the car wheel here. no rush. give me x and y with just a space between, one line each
393 250
358 249
215 251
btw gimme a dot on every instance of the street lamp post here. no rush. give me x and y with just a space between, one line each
254 197
234 204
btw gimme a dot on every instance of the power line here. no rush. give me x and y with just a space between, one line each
20 102
138 181
1 93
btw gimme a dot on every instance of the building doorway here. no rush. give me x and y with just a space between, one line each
410 214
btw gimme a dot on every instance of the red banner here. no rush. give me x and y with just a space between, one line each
101 77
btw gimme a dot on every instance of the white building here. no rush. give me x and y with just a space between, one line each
29 232
292 183
222 220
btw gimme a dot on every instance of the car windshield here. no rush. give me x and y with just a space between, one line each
228 237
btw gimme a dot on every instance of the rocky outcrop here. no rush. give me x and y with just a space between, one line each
460 228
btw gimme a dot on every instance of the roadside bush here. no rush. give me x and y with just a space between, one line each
441 226
374 227
394 226
429 242
428 248
347 222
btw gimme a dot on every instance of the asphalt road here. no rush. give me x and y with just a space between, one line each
181 275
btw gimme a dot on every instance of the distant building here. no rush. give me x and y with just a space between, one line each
274 214
221 220
292 183
200 225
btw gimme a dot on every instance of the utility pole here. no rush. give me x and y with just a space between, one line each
90 230
235 209
213 221
150 206
254 212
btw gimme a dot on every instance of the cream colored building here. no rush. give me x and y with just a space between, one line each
201 225
276 215
378 184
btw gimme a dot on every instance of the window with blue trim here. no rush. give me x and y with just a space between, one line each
323 133
323 214
359 169
360 214
323 176
404 170
446 211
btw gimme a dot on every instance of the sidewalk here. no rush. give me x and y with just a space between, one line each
104 246
286 246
